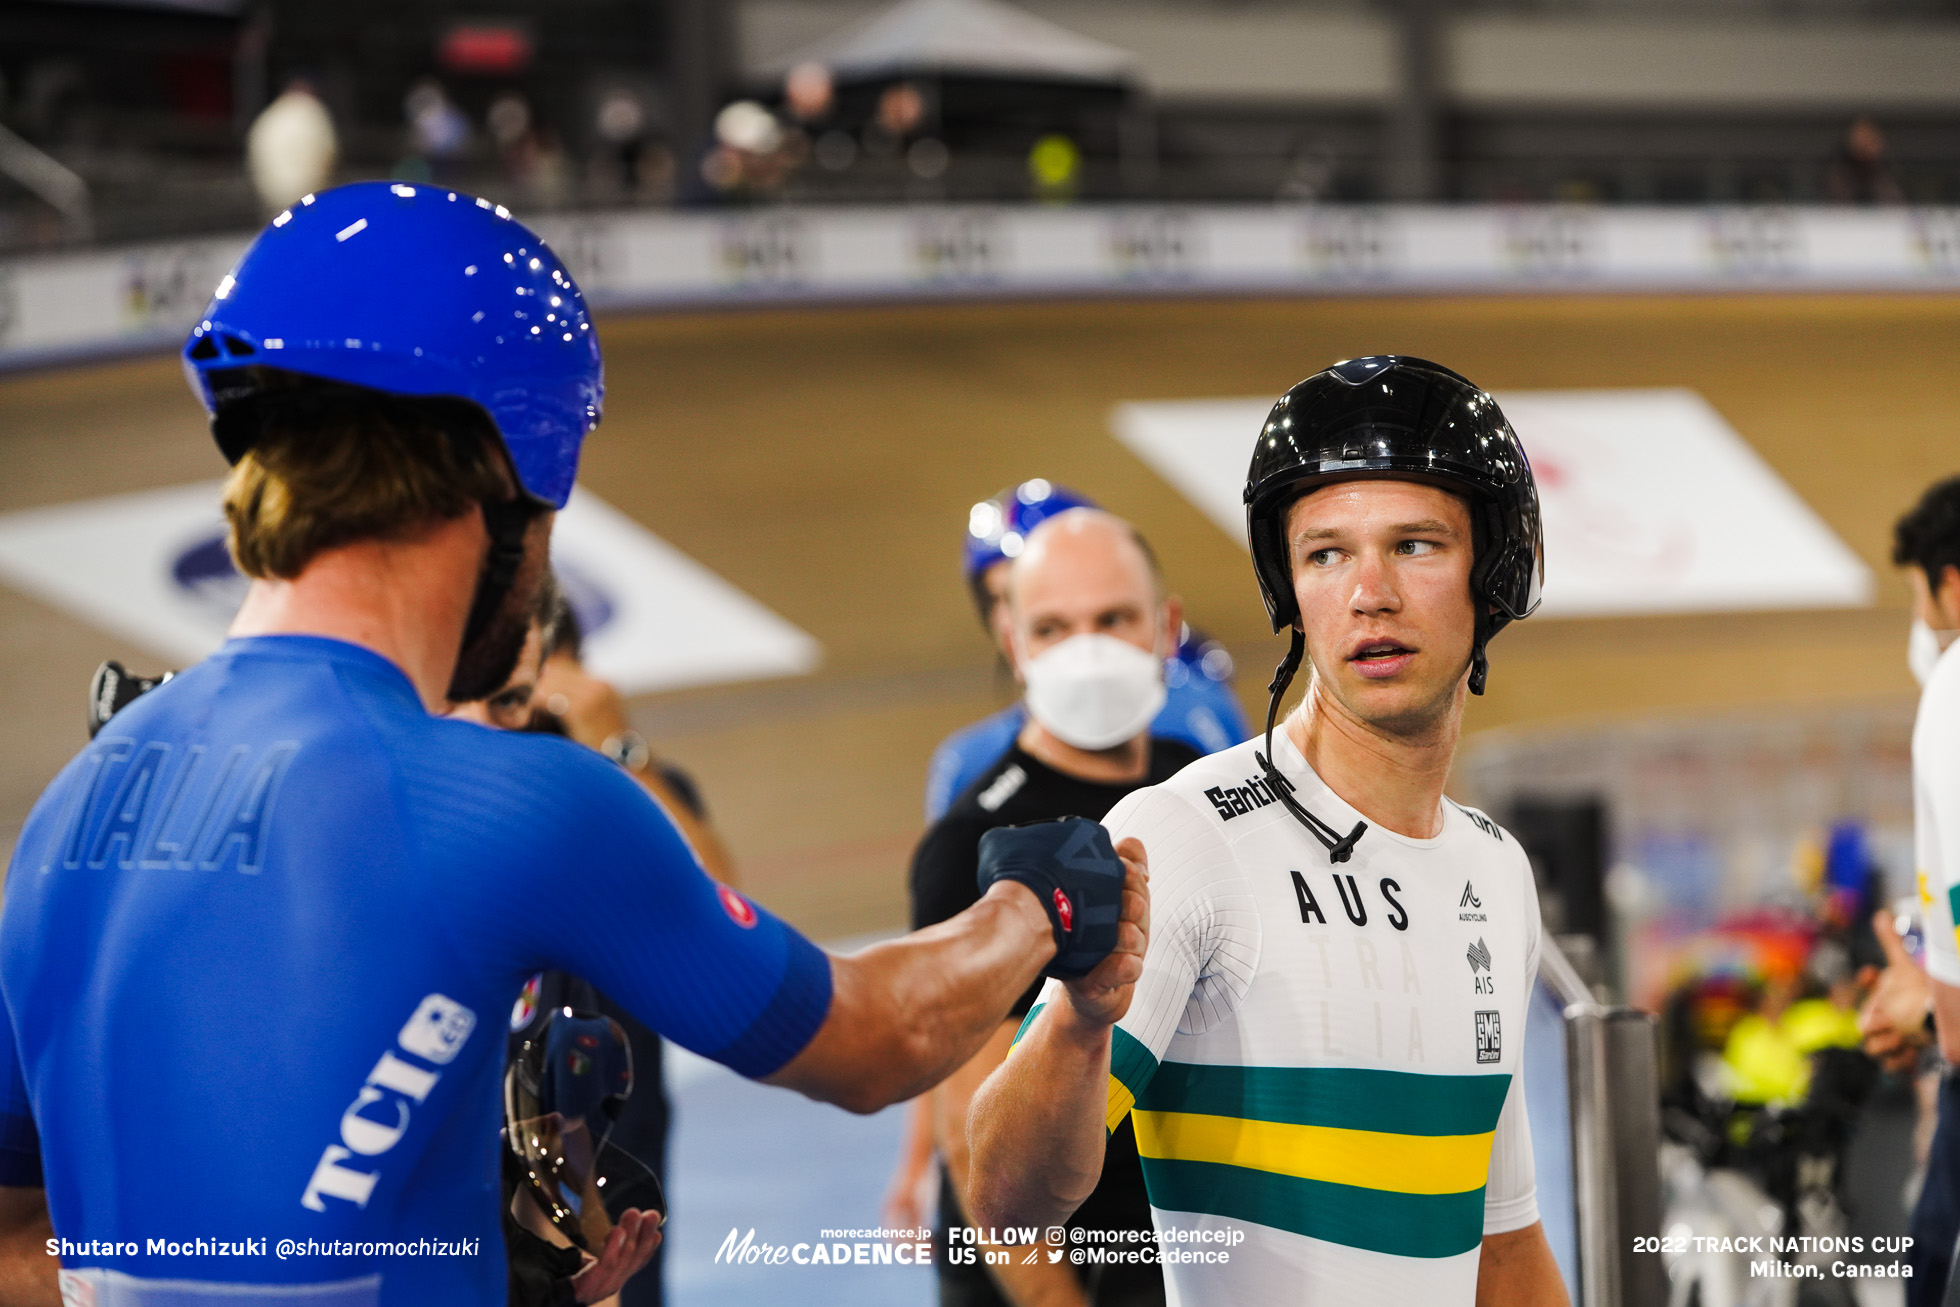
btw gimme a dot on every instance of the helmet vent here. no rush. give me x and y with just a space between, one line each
237 348
1356 371
206 348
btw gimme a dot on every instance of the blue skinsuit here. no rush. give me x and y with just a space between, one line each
259 945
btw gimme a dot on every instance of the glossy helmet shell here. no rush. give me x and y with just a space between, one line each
412 290
996 528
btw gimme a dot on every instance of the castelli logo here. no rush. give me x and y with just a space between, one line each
1065 911
737 907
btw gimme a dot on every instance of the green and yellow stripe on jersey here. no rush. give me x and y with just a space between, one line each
1130 1065
1388 1161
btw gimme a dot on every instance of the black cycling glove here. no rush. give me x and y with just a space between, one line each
1072 868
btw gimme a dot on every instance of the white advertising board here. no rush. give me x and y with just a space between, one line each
147 297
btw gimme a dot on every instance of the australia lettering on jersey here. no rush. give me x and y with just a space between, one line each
1237 800
169 806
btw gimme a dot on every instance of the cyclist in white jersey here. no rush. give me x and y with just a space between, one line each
1322 1053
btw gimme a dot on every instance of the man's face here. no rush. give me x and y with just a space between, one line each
1381 571
1079 578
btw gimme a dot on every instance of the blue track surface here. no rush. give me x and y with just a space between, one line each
748 1157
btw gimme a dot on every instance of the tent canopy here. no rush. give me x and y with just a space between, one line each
970 38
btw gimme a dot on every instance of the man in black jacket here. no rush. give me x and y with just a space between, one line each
1091 626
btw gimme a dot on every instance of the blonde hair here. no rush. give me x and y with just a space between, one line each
333 465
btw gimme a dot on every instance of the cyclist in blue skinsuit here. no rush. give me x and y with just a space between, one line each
1200 708
260 936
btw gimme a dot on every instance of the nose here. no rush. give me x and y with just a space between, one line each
1374 586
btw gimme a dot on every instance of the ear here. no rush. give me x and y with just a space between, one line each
1003 630
1009 651
1173 623
1946 596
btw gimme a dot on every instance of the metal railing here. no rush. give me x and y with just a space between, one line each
1615 1114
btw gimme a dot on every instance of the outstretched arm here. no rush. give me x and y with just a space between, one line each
1037 1126
27 1273
904 1014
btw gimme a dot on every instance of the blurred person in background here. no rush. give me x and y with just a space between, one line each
622 125
588 709
1859 173
1200 707
363 884
542 1270
291 148
438 131
754 153
551 691
530 155
1088 626
1201 711
1913 1007
1323 1052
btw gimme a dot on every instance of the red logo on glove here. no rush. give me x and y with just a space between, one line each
737 907
1064 911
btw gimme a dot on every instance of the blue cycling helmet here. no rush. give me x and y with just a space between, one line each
997 528
411 290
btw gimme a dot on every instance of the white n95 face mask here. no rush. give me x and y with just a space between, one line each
1923 648
1094 691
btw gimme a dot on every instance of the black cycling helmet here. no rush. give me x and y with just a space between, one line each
1394 418
1404 418
562 1093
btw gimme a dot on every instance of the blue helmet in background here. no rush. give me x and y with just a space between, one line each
411 290
997 528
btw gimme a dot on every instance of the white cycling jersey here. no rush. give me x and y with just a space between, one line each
1322 1056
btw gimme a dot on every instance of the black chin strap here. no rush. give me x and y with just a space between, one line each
1339 847
506 523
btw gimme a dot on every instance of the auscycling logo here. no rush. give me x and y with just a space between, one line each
1468 903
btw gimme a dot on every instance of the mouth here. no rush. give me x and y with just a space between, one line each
1380 659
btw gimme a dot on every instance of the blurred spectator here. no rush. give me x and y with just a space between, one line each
509 120
580 705
810 98
752 153
1055 167
620 122
1859 173
438 131
1084 607
551 692
809 94
291 148
1915 1002
532 159
901 110
1200 709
